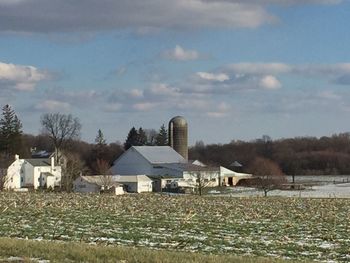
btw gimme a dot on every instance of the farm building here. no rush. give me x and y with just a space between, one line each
135 183
165 166
147 160
33 173
97 184
231 178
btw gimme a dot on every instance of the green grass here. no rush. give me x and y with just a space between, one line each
80 252
298 229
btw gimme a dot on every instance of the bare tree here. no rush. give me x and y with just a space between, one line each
268 175
104 171
60 128
202 182
72 170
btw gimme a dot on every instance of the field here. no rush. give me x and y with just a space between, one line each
288 228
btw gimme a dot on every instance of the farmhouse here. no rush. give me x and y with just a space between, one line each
97 184
33 173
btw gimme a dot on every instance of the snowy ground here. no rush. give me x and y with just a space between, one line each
317 191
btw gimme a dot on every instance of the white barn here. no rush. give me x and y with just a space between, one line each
96 184
148 160
164 165
33 173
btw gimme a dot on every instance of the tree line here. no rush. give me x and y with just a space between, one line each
294 156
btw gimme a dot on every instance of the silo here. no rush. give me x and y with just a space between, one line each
178 138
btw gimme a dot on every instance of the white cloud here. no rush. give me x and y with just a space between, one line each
112 107
178 53
270 82
212 76
52 105
145 106
259 68
163 89
221 111
136 93
19 77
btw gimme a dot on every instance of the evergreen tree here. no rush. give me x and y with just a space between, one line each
100 140
100 145
10 132
142 137
132 138
162 137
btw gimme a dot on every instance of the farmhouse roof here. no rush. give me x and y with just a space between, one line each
159 154
39 162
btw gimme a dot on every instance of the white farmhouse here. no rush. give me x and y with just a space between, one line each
97 184
33 173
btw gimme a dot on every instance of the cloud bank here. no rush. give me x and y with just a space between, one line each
90 15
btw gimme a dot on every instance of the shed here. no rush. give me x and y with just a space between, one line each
97 184
134 183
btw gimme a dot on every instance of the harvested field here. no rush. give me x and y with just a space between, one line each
300 229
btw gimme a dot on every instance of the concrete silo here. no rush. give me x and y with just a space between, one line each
178 138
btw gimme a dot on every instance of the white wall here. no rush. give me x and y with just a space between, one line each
13 178
144 187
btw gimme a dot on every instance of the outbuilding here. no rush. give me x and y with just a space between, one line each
134 183
97 184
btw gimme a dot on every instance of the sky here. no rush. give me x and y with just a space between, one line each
234 69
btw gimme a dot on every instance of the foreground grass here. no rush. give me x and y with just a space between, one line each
298 229
80 252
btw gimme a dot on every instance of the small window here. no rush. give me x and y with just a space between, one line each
22 179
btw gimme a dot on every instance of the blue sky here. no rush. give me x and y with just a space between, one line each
235 69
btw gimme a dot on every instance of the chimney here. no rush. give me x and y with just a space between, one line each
52 163
16 157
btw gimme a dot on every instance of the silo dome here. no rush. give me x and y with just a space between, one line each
178 138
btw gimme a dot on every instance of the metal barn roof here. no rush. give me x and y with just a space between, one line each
160 154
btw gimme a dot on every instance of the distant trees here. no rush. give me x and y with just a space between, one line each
148 137
60 128
10 132
295 156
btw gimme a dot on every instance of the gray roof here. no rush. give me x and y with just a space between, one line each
159 154
99 180
189 167
39 162
131 178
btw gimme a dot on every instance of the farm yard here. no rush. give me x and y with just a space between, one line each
286 228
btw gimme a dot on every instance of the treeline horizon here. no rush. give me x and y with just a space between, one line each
295 156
